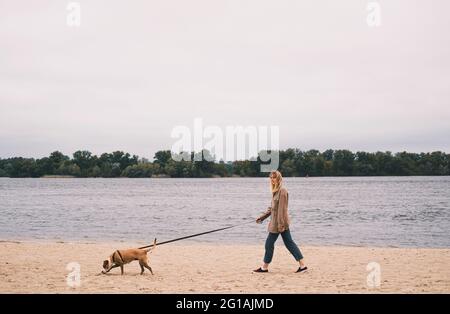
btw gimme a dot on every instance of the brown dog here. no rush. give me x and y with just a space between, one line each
122 257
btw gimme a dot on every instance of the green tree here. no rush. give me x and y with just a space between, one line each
68 168
162 157
288 168
84 160
57 158
343 162
45 166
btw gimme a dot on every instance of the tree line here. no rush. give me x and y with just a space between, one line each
292 163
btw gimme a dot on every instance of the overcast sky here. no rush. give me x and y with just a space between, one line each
134 70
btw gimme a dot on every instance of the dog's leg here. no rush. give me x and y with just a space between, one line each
121 269
149 268
142 269
110 268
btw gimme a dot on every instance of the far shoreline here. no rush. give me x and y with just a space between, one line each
231 177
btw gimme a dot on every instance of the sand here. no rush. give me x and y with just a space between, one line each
36 267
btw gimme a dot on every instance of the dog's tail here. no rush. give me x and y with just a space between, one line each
152 248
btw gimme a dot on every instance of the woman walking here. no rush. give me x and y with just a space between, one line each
279 224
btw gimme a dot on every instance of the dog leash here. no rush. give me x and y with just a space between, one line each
198 234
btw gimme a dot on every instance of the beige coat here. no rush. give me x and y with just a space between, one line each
278 212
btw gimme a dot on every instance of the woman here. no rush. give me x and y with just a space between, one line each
279 224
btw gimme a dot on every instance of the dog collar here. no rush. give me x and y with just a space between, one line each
120 255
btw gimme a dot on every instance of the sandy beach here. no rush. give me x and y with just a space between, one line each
37 267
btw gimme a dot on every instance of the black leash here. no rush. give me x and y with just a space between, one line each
196 235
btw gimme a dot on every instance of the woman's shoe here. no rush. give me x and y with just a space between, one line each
302 270
260 270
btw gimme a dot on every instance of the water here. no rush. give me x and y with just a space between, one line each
381 211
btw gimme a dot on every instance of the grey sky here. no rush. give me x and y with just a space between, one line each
136 69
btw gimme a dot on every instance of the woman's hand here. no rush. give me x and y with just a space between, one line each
264 216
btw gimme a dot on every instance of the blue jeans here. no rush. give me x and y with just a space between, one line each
287 239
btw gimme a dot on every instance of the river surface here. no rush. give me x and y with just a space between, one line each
361 211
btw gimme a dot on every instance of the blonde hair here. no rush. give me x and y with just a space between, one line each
279 178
